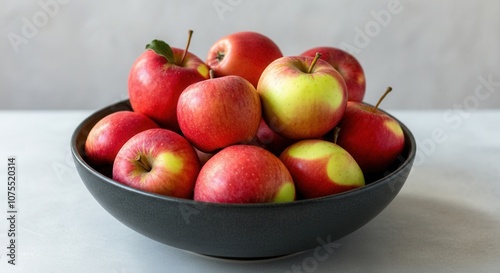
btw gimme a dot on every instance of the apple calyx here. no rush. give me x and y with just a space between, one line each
313 63
389 89
219 56
163 49
190 34
143 162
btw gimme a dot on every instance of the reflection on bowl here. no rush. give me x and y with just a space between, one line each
244 231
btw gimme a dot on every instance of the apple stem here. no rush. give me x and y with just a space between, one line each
143 162
313 63
389 89
190 34
211 73
336 132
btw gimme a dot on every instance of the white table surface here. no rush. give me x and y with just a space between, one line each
445 219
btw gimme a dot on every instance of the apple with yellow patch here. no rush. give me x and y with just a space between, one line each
158 161
244 174
320 168
371 136
302 97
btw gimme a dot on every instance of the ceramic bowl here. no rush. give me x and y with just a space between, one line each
241 231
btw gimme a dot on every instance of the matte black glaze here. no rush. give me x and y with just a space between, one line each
239 231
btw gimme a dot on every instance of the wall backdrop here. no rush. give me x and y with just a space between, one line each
75 54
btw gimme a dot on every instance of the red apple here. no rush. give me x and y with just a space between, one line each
347 65
303 97
371 136
245 54
158 161
270 140
109 134
321 168
157 79
244 174
219 112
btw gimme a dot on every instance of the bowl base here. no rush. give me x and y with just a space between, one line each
246 259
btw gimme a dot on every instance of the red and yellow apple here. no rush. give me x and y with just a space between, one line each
219 112
158 77
244 174
302 97
245 54
347 65
109 134
158 161
320 168
371 136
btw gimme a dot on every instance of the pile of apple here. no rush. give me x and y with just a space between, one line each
249 125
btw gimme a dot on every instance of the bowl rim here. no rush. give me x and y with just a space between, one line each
409 142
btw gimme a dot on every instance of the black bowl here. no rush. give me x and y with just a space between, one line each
243 231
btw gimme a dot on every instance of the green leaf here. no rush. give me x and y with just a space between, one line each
163 49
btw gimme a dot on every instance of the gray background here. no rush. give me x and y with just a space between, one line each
77 54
